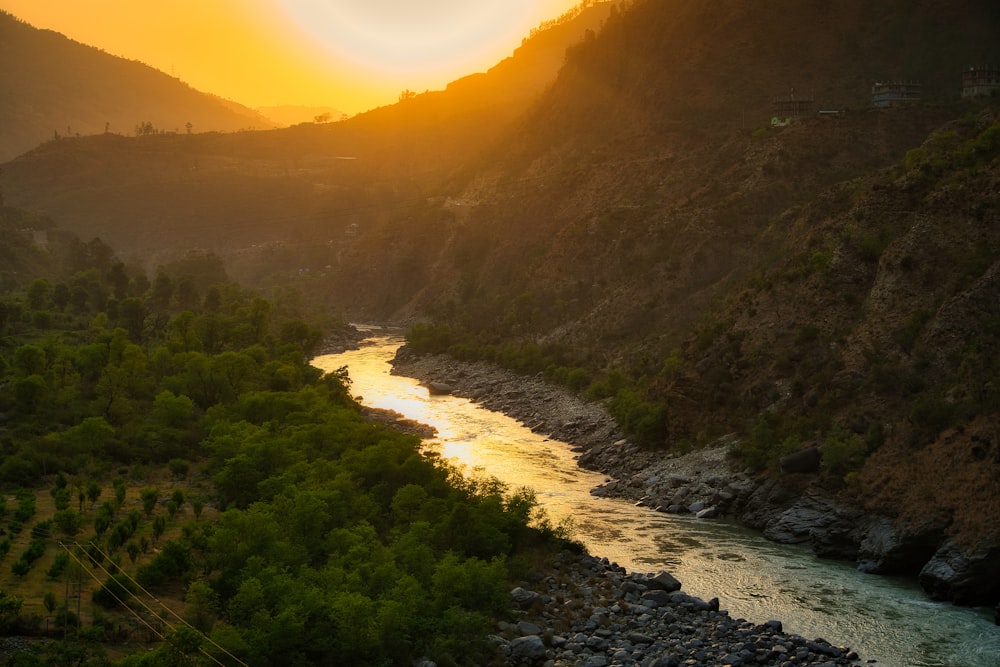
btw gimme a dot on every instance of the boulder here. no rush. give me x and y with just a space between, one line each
759 506
963 576
664 581
524 598
657 598
803 461
888 548
794 525
439 389
527 628
830 529
527 651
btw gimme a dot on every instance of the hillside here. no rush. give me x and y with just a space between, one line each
640 222
52 86
227 191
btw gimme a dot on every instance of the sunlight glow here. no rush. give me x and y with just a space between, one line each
403 36
353 55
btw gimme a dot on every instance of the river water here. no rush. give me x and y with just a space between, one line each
886 619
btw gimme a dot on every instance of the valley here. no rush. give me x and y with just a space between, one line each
642 206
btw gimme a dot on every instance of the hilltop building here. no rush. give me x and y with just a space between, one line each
896 93
787 108
980 81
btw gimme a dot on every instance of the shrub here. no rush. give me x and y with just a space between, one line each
58 565
844 453
116 591
179 468
644 421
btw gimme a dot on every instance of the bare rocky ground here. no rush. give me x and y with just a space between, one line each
585 611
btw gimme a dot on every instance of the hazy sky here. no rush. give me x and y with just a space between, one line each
349 54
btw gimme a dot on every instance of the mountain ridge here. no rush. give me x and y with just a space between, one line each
59 87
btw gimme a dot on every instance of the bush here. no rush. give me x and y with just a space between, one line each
642 420
58 566
577 379
179 468
844 453
173 561
117 590
757 451
429 339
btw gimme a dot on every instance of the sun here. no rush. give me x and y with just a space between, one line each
403 36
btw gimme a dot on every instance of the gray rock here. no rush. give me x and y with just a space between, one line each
439 389
966 577
658 597
526 629
803 461
528 651
524 598
707 513
639 638
664 581
888 548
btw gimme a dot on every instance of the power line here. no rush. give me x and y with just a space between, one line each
137 599
110 592
168 609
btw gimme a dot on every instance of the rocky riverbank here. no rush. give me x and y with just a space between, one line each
584 611
707 482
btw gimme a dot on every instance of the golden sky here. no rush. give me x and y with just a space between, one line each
352 55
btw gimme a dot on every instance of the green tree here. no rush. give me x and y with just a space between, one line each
172 411
39 294
132 317
118 279
159 526
201 606
10 610
162 291
149 498
93 490
50 602
89 437
69 522
60 296
30 392
30 360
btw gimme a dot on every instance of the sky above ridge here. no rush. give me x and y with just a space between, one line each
352 55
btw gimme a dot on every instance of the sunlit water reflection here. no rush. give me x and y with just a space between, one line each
882 618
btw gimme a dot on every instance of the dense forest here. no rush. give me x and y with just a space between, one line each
167 444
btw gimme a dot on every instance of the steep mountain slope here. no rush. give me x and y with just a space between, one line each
304 187
50 85
643 165
830 283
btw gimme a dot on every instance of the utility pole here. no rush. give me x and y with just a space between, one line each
66 595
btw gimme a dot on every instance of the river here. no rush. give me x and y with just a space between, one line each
886 619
